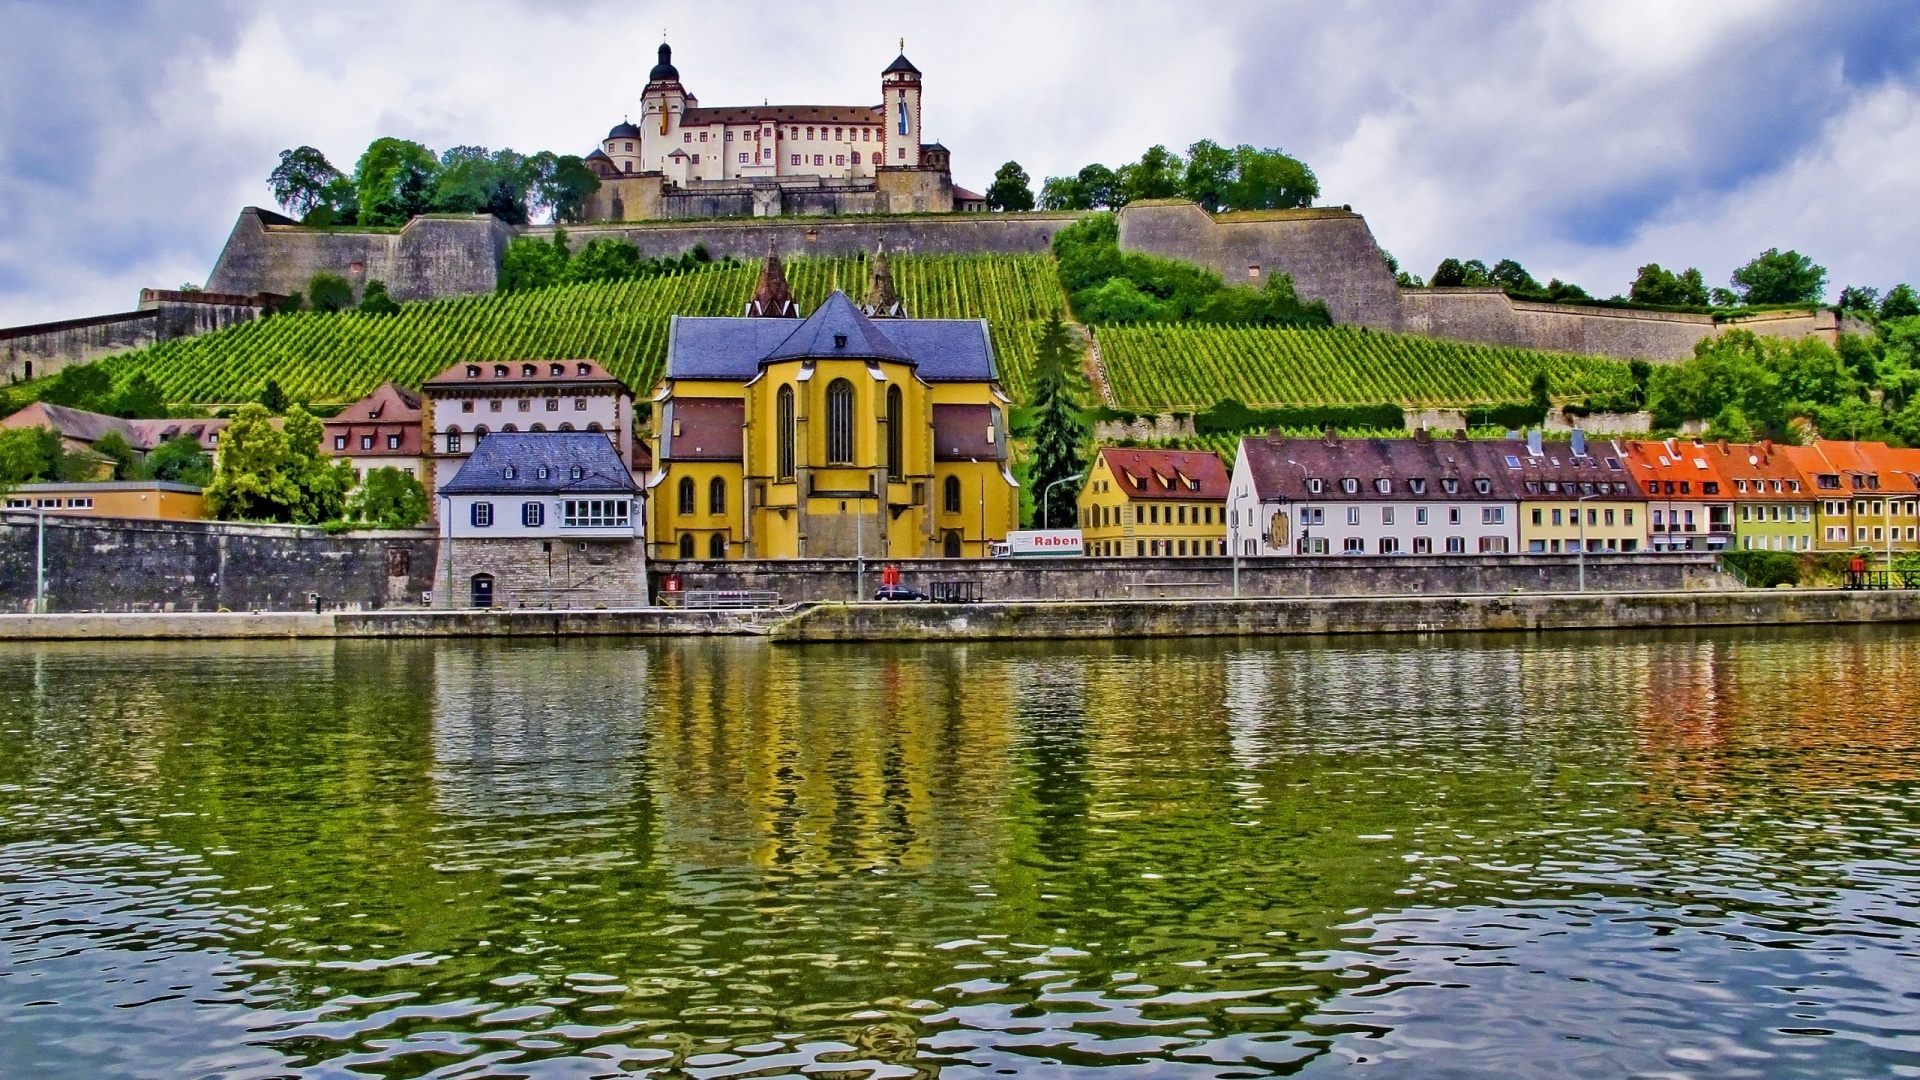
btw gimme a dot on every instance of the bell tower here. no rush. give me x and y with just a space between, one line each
900 100
661 104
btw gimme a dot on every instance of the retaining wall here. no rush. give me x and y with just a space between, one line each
800 580
31 352
433 256
95 564
1369 615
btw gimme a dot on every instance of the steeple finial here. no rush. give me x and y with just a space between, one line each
883 301
772 298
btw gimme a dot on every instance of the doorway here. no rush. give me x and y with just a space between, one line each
482 591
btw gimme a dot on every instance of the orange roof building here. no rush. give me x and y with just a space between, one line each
1689 502
1144 502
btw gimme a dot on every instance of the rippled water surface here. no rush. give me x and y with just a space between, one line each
1686 855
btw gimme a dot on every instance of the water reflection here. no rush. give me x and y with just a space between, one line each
1679 854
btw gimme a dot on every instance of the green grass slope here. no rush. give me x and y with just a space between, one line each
1192 367
339 357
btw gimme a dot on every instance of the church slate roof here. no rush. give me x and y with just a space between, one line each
941 350
485 471
901 63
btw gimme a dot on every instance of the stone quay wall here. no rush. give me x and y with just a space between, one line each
1349 615
552 573
32 352
802 580
120 565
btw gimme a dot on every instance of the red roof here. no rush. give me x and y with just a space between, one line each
1184 475
387 412
546 374
1678 462
869 115
1760 471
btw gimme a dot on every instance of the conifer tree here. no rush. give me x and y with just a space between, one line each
1059 428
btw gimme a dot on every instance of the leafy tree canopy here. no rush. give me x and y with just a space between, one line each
1653 284
388 498
276 474
394 181
1106 285
375 301
329 292
1012 188
1900 303
303 180
30 455
180 460
1780 277
532 263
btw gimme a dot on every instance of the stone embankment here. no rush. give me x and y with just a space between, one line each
1046 620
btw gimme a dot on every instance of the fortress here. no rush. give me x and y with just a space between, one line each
683 160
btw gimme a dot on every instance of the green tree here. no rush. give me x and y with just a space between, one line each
532 263
1209 175
1450 274
1654 284
388 499
562 185
179 460
1098 187
1270 180
607 258
138 398
375 301
272 398
302 181
1780 277
1059 428
1012 188
1508 274
1900 303
30 455
1062 193
1155 176
329 292
253 480
323 481
1859 299
394 181
475 180
115 449
80 386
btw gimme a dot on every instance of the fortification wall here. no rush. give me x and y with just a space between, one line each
1330 253
31 352
747 238
431 257
102 564
1491 317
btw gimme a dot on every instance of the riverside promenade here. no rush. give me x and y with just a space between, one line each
1026 620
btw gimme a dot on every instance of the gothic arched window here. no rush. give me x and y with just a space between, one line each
717 496
717 546
686 495
784 434
840 422
896 467
686 545
953 494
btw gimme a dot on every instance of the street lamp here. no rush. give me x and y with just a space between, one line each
1303 512
1046 494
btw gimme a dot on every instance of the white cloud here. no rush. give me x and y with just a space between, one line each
1580 138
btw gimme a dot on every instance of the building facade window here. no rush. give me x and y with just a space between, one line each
533 514
784 435
685 501
840 422
896 418
686 545
717 546
717 496
481 515
951 495
594 513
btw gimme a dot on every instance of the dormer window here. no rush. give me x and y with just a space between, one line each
527 370
473 371
1483 486
1533 487
584 369
509 472
556 370
574 472
1383 486
542 472
1349 485
1450 485
1739 485
499 371
1314 485
839 341
1418 487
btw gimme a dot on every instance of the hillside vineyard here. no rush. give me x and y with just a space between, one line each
324 357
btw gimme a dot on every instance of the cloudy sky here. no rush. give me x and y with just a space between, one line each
1582 138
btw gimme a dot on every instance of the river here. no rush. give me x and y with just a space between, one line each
1676 855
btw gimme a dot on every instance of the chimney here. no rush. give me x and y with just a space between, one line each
1534 446
1460 435
1579 443
1333 436
1420 435
1273 436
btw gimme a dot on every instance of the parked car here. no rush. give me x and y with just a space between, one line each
900 593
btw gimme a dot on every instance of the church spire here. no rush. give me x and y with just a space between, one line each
772 299
883 302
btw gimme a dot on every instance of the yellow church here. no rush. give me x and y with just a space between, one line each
853 431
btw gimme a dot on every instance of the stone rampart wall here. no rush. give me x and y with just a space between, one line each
432 257
31 352
747 238
95 564
1491 317
801 580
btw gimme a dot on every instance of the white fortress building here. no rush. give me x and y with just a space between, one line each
683 160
